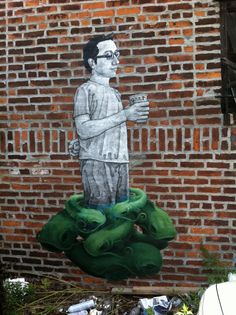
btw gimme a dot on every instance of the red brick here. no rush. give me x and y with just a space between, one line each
207 231
128 11
152 9
15 238
93 5
182 173
103 13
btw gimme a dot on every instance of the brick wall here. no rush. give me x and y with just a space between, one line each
184 157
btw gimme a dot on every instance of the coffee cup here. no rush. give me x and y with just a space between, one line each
137 98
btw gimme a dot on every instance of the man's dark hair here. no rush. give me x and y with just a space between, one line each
91 50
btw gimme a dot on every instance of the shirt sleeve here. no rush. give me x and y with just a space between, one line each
81 102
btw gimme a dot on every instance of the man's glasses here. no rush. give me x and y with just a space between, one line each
109 55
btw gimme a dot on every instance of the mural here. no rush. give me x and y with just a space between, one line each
110 231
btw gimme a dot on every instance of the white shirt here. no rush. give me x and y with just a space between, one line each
99 101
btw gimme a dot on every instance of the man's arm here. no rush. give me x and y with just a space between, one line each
87 128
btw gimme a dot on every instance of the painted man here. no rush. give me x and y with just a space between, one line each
100 121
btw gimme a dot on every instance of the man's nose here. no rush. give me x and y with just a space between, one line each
115 60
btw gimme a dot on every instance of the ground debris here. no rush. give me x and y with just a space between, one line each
52 296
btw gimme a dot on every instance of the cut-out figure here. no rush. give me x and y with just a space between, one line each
100 121
125 237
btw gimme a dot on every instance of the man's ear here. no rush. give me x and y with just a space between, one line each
91 62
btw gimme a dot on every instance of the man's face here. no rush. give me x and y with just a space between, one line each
106 67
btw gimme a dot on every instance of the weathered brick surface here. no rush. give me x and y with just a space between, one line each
184 157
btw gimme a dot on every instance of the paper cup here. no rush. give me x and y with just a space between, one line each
137 98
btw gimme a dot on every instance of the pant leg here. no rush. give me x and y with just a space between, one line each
117 177
96 190
104 183
122 192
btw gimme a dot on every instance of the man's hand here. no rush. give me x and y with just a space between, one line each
138 112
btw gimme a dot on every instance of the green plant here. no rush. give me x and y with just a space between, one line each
16 295
185 310
150 311
46 284
192 300
217 270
